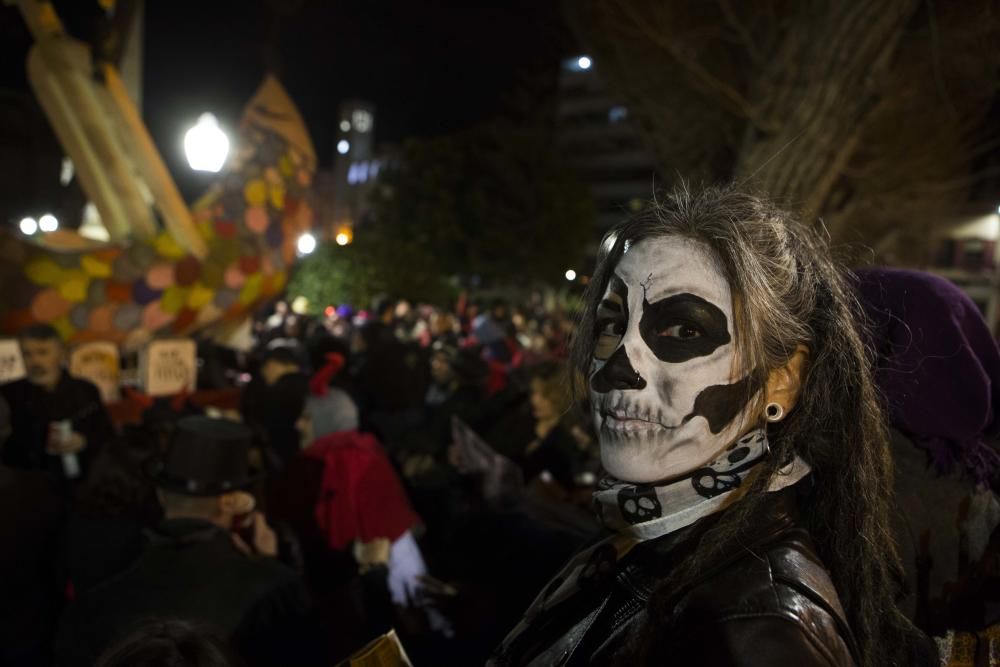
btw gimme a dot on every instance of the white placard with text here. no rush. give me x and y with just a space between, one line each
169 367
98 362
11 362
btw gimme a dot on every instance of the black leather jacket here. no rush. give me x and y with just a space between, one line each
771 602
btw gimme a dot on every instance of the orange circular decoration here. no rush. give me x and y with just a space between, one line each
153 317
102 318
49 305
256 219
160 276
249 264
234 277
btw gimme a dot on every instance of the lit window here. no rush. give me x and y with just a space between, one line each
578 63
362 120
617 114
352 174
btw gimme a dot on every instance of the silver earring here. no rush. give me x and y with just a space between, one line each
774 412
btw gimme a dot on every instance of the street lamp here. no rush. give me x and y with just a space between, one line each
306 243
583 62
206 145
571 275
343 146
48 223
28 226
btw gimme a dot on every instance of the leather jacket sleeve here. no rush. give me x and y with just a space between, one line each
758 640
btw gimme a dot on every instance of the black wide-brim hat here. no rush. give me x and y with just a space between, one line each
205 457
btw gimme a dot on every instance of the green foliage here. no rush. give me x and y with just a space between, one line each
355 274
490 206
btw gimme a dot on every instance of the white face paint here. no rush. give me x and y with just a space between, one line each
664 398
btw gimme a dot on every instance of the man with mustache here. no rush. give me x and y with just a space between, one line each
58 422
748 472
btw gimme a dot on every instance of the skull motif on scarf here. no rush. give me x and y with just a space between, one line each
662 386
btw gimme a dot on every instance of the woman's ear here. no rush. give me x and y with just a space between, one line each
785 382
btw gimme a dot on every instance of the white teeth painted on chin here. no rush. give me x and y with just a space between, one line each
630 427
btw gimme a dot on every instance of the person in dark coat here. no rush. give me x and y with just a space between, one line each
195 566
746 503
273 401
938 368
58 422
29 520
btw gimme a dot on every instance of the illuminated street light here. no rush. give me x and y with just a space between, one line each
571 275
583 62
28 226
48 223
206 145
345 126
343 146
306 243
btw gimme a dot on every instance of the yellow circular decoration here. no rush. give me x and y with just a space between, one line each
73 286
95 267
206 230
63 326
251 289
278 197
255 192
167 247
198 296
43 271
173 299
208 314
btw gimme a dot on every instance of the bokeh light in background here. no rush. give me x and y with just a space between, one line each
306 243
28 226
48 223
206 146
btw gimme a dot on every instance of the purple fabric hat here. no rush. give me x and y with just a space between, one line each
936 366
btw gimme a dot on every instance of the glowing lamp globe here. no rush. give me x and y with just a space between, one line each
306 243
48 223
206 145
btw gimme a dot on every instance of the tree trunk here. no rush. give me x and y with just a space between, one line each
815 94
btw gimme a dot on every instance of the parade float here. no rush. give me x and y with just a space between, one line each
167 270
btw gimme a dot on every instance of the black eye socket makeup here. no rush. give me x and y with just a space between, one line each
683 327
612 319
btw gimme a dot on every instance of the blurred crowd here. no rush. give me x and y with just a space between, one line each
406 468
395 467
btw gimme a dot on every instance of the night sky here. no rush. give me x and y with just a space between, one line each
429 67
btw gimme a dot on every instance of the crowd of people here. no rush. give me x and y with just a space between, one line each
348 495
430 472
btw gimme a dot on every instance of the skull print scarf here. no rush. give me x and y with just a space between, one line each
639 512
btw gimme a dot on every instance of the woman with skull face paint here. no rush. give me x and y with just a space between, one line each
747 460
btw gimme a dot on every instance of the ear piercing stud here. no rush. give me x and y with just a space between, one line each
774 412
